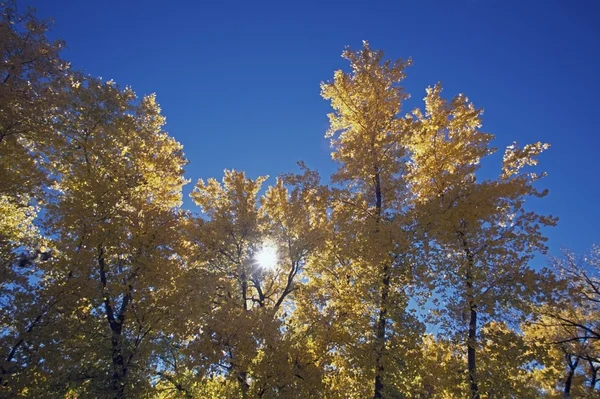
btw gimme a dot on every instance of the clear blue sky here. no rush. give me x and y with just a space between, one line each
239 80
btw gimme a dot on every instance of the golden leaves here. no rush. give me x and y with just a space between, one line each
516 158
132 276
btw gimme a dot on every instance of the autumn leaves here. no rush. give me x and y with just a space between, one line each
136 297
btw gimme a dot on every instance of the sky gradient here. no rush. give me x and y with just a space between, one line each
239 81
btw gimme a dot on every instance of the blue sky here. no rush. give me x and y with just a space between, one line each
239 80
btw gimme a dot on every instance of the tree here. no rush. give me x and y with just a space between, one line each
32 82
568 364
509 365
369 216
114 225
485 236
583 278
567 327
300 289
244 333
32 75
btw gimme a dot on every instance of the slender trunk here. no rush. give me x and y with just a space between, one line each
115 323
6 370
568 381
472 338
9 358
243 276
471 353
244 284
380 328
594 375
571 373
243 380
243 375
380 334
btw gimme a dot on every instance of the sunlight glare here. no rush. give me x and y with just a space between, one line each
266 257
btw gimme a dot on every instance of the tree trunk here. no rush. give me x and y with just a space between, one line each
244 284
472 338
569 380
380 334
119 371
115 322
593 377
380 328
243 380
471 353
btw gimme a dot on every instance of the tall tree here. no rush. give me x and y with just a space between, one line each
254 249
115 222
32 83
109 290
567 329
31 80
485 235
371 201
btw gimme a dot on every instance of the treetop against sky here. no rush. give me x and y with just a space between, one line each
405 268
238 81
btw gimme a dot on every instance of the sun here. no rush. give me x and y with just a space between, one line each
266 256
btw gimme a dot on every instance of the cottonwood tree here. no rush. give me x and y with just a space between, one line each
509 365
566 329
567 362
582 275
32 77
368 264
115 225
485 235
300 290
254 249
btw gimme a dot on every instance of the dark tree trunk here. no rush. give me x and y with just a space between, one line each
568 382
119 370
115 322
380 327
471 353
380 335
243 380
244 284
593 376
570 374
472 338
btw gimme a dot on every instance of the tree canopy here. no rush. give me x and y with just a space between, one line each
406 275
